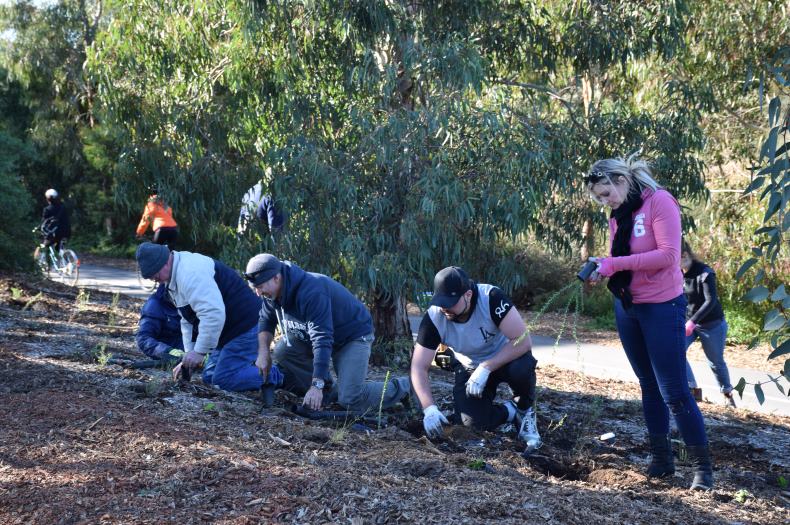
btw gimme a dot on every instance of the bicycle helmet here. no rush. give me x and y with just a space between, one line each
51 194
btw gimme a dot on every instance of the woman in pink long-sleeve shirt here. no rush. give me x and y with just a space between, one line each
650 308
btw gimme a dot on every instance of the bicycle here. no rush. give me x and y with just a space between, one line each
65 262
146 284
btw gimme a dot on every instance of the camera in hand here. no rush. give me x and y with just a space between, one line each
587 270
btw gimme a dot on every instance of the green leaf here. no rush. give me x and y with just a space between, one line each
774 320
740 386
787 370
782 349
753 342
756 183
757 294
779 294
745 268
786 302
773 111
758 391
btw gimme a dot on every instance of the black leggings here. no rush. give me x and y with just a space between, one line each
166 235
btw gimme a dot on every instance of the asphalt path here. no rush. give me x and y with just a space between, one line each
594 360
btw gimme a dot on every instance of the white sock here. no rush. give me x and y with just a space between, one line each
511 411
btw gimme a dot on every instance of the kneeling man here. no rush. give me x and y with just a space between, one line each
491 344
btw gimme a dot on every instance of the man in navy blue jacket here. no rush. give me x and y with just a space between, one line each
321 321
218 315
159 329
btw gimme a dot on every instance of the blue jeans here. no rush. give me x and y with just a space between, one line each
712 336
232 367
351 367
653 337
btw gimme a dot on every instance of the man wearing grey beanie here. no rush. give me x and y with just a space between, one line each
321 321
219 315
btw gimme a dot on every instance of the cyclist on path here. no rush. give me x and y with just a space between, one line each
159 216
55 223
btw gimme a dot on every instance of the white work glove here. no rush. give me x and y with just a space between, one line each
433 421
477 381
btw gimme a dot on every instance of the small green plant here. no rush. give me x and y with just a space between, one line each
32 300
101 354
209 407
477 464
383 393
742 495
339 434
83 299
16 294
782 482
556 426
116 298
154 387
682 452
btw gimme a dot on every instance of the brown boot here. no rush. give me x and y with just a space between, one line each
696 393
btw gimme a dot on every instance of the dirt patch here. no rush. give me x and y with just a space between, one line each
86 442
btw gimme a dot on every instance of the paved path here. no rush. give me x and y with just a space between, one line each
595 360
113 280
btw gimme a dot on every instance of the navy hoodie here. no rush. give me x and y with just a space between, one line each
330 314
160 326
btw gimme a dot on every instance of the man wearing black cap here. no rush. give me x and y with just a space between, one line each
218 315
320 321
491 344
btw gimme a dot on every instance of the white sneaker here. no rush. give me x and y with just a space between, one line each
528 428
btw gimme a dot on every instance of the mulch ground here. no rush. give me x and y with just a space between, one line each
86 440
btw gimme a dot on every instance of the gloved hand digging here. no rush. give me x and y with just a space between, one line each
433 421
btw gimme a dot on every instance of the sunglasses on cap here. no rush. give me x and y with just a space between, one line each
254 275
596 176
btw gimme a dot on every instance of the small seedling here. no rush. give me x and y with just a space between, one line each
555 426
83 299
113 307
782 482
16 294
683 454
383 393
742 495
208 407
101 354
154 387
477 464
32 300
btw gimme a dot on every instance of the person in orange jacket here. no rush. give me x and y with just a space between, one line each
159 216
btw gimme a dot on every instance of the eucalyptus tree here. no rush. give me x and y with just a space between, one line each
44 53
401 136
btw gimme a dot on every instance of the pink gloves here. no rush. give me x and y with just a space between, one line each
606 267
690 326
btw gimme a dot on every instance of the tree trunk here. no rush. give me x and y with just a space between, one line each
588 240
390 320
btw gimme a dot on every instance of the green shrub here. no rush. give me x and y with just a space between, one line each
16 240
742 327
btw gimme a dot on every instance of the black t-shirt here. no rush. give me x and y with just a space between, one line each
499 304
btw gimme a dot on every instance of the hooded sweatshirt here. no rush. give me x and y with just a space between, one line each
319 310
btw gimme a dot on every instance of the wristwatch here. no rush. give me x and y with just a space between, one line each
318 383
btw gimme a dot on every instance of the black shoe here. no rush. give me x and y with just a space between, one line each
703 470
663 462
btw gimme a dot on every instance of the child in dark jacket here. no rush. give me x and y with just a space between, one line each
705 320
